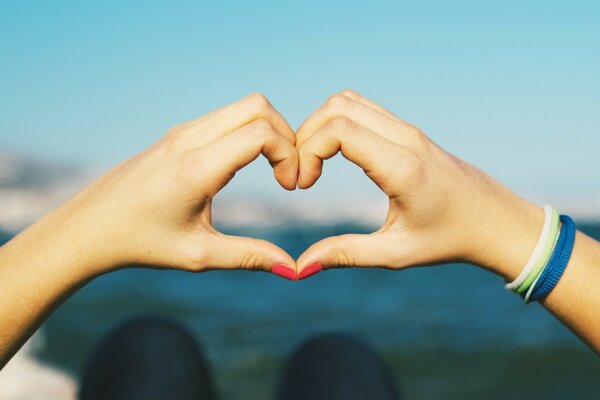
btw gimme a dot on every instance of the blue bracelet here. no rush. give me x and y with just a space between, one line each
558 261
556 252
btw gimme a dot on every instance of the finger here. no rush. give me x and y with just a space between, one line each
352 250
370 103
373 153
218 162
343 106
236 252
223 121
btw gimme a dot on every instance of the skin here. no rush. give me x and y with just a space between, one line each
154 210
441 209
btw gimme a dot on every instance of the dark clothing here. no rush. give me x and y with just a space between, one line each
156 359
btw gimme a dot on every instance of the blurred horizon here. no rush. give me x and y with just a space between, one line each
30 188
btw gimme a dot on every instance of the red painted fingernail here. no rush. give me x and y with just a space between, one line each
284 271
310 270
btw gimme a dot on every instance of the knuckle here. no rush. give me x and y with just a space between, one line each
173 137
197 259
397 260
172 133
418 136
251 261
342 258
337 102
262 129
349 92
261 125
177 127
259 102
339 124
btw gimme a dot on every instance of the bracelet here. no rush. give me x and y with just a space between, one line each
537 252
560 240
549 278
545 256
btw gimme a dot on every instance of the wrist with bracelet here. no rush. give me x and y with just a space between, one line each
549 258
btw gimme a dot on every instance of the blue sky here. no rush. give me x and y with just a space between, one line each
513 87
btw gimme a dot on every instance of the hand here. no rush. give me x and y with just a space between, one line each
441 208
155 209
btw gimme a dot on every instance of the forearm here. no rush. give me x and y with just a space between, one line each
576 299
506 244
39 269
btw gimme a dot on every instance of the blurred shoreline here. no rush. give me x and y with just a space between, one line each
29 189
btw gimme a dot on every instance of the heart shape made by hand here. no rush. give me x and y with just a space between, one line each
440 208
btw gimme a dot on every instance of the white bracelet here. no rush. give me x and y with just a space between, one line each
537 252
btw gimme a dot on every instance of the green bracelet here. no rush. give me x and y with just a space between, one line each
546 254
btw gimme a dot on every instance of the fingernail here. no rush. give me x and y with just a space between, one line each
310 270
285 271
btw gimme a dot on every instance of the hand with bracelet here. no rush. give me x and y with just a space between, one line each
154 210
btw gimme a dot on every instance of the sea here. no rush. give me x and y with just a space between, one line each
446 332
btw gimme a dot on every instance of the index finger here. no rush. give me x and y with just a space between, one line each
342 106
236 115
219 161
368 102
371 152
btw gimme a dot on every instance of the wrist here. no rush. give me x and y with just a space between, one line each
60 242
507 233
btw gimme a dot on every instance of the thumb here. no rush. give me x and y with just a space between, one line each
237 252
352 250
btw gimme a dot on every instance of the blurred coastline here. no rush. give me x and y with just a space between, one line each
29 189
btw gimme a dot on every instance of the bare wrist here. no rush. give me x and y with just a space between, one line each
506 235
60 243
